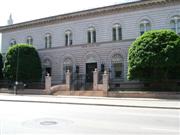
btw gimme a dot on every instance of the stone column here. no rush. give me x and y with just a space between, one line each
47 82
105 81
68 80
95 79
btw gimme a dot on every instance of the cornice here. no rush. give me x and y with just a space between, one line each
97 44
87 14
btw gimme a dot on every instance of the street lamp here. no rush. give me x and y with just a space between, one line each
17 69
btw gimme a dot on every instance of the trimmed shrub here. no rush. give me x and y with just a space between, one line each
155 56
22 63
1 66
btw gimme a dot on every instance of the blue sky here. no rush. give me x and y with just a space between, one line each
25 10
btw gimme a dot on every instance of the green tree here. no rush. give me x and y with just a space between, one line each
1 66
155 56
22 63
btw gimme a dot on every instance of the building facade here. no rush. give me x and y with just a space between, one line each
96 38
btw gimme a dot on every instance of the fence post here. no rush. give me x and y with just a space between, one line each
47 82
105 81
95 79
68 80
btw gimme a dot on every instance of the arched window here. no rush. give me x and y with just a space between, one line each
48 40
175 24
116 32
68 65
145 25
68 38
12 42
91 35
47 66
29 40
117 66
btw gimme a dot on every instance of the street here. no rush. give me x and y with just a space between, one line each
22 118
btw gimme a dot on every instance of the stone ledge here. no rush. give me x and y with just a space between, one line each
24 91
144 94
81 93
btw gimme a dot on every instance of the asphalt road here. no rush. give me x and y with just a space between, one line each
21 118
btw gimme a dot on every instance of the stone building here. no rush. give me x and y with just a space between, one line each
96 38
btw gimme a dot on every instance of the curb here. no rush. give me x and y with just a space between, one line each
111 105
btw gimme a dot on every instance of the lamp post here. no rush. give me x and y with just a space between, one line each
17 70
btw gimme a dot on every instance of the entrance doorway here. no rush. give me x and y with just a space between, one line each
90 67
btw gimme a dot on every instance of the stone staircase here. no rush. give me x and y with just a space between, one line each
81 93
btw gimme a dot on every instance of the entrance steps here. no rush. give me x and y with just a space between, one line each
81 93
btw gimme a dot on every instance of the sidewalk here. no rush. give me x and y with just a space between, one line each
100 101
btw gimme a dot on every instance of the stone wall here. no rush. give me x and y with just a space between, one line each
103 50
129 21
143 94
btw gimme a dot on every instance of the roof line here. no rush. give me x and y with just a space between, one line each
89 12
81 11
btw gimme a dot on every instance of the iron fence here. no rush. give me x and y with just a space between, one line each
78 82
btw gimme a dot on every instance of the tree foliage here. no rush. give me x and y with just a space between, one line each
1 66
22 60
155 56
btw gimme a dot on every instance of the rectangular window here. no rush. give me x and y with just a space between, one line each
94 36
142 29
30 41
89 37
45 42
50 43
114 34
66 40
70 39
120 33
